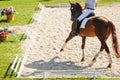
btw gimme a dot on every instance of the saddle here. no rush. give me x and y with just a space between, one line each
90 15
81 24
84 20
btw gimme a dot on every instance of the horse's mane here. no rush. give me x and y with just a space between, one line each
78 6
78 9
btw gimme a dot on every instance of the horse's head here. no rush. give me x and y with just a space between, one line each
76 10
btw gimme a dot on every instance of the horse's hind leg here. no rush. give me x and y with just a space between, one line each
66 41
108 52
82 47
101 49
104 46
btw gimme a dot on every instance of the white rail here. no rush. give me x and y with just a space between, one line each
68 74
15 65
28 30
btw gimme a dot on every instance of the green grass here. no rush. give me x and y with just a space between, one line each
8 50
25 9
108 2
100 2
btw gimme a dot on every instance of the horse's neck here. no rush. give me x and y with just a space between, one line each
77 15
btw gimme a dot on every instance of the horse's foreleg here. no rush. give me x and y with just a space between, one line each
66 41
82 47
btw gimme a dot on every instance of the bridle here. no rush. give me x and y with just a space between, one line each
74 12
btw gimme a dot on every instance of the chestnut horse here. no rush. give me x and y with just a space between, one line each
96 26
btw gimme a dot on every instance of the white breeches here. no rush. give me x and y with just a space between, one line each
84 14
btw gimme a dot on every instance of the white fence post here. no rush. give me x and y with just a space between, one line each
94 75
14 62
20 70
18 63
15 65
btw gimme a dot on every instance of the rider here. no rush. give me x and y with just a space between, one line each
89 8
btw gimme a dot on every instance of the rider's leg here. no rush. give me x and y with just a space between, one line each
79 21
76 32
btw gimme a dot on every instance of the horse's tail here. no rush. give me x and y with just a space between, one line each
114 40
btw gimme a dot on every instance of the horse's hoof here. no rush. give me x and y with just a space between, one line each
94 60
109 66
90 65
82 59
61 50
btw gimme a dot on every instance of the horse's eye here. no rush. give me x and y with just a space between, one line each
71 8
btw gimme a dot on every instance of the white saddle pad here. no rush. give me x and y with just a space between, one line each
84 23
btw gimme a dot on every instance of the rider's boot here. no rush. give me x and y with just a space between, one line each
77 31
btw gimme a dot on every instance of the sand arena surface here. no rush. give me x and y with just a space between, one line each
49 31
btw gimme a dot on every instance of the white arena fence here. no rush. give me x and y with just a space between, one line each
59 5
89 74
15 67
28 30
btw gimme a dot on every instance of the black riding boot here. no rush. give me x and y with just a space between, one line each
77 31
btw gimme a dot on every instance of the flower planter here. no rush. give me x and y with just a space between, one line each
10 17
4 37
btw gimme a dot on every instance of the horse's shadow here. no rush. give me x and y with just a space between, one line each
3 20
53 64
